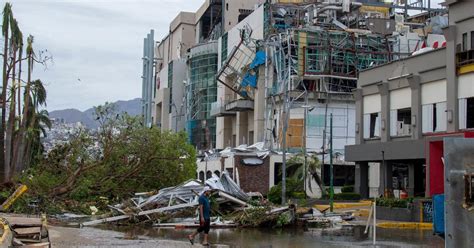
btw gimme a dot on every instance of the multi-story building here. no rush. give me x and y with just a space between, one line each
272 73
186 63
405 108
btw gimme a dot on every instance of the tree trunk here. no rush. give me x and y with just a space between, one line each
19 90
4 170
19 137
11 124
23 142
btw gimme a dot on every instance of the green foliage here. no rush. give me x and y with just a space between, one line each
346 196
294 189
394 202
283 219
347 189
122 158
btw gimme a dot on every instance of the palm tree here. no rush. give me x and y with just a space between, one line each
28 106
33 123
7 14
295 166
16 37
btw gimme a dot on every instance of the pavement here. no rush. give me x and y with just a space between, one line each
361 212
92 237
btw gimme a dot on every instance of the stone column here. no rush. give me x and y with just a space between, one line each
451 80
385 112
416 110
362 179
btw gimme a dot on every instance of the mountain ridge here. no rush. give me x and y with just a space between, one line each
86 117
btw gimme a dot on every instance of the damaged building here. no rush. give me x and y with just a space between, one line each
248 80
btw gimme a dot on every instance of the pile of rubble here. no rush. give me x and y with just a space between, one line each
177 206
230 205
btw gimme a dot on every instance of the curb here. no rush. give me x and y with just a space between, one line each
406 225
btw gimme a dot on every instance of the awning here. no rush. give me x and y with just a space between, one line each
252 161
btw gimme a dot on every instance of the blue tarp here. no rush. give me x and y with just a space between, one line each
250 79
258 60
438 214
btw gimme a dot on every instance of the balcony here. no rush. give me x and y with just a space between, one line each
218 110
465 61
240 105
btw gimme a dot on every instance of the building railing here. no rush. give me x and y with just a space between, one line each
465 58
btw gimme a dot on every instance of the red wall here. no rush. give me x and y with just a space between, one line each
436 168
436 151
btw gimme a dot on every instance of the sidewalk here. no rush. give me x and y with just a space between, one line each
361 211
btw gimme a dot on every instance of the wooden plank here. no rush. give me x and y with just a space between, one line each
110 219
171 208
44 244
27 230
231 198
12 198
24 222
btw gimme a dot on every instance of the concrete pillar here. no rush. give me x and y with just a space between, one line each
359 138
388 177
242 128
259 108
452 108
362 179
411 180
416 110
385 115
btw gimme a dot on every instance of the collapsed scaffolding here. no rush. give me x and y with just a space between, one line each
319 48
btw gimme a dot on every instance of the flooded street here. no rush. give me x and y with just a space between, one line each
346 237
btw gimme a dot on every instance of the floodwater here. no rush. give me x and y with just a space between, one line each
346 237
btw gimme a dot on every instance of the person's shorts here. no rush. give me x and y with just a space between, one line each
206 226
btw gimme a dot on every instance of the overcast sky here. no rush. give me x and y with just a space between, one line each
97 45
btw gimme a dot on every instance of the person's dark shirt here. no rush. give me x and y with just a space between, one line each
206 208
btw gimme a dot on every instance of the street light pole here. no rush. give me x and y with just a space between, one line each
283 169
304 142
330 166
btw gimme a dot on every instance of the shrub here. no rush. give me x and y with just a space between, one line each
394 202
293 189
347 189
347 196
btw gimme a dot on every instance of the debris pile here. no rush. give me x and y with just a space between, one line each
181 202
230 207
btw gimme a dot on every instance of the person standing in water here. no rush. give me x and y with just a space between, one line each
204 217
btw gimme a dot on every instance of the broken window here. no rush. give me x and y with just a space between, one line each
372 125
472 40
466 113
464 42
434 117
468 190
400 120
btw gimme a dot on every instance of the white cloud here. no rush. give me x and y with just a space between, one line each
99 42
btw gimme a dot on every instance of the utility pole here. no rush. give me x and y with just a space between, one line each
286 106
331 193
283 172
304 141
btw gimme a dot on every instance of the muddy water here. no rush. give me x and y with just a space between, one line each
346 237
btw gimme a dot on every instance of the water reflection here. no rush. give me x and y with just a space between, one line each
294 237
